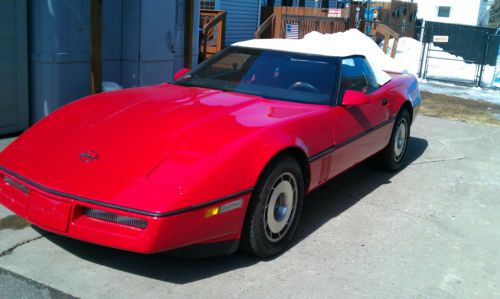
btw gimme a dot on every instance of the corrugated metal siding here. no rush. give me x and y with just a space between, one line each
242 18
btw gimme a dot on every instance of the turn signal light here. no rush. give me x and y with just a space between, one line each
211 212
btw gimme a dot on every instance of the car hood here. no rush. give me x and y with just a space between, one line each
128 133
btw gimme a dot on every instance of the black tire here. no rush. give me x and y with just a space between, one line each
392 157
260 236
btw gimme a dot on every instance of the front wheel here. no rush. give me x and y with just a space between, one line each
391 158
274 211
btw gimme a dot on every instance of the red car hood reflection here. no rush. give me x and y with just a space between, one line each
141 127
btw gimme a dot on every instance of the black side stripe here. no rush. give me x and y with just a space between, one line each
344 143
122 208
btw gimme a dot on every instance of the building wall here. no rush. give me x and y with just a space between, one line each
59 54
242 19
143 44
13 66
149 42
462 11
484 12
243 16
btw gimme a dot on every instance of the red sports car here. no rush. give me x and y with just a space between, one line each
220 159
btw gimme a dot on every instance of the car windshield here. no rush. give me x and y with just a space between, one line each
270 74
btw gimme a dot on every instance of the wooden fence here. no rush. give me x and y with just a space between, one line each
307 19
400 16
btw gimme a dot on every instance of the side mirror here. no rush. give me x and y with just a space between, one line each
354 98
180 73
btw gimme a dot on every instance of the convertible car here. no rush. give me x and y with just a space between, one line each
218 160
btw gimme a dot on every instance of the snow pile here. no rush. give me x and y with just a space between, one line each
355 42
408 53
110 86
342 44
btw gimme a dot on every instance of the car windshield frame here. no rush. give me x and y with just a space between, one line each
329 98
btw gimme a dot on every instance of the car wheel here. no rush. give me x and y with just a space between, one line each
392 157
274 210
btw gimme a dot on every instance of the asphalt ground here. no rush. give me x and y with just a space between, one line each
429 230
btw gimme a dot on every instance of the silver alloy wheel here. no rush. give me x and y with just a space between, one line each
280 208
400 140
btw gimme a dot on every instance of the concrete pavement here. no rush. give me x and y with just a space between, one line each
430 230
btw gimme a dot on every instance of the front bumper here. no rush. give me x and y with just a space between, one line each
65 216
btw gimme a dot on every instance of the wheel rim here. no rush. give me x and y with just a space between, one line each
281 205
400 140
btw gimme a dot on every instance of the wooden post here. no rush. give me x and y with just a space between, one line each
96 46
219 33
278 20
387 38
188 33
394 47
222 26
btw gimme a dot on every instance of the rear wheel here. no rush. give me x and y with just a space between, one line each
275 209
391 158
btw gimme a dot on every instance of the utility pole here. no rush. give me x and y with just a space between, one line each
96 46
188 33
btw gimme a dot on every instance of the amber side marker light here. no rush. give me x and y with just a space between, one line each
232 205
17 185
115 218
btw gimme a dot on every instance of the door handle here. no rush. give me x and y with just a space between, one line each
384 102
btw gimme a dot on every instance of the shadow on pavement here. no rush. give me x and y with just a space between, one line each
319 208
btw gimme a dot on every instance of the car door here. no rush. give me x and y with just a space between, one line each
358 131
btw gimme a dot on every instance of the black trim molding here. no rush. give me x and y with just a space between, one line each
344 143
121 208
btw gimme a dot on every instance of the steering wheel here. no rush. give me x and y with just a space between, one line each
303 85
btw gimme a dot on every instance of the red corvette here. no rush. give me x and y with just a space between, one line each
221 158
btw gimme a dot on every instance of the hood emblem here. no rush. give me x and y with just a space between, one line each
89 156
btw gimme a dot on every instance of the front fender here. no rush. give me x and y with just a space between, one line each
200 176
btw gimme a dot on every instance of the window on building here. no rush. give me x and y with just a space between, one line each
444 11
287 3
325 4
207 4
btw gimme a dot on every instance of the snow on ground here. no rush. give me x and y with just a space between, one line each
409 55
444 65
464 92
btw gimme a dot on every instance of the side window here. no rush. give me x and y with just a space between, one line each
370 76
356 74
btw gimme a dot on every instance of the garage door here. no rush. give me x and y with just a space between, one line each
13 67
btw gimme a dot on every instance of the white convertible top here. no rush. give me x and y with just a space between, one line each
343 44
